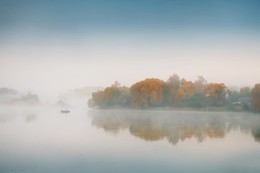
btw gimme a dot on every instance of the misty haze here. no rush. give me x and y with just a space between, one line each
129 86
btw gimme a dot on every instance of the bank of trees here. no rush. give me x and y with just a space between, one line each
176 92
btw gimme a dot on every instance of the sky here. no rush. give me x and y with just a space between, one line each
55 45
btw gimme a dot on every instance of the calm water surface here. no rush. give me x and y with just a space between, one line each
40 139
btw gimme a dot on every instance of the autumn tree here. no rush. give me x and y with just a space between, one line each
255 97
216 94
186 90
190 94
181 92
148 92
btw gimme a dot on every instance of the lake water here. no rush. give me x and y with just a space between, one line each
40 139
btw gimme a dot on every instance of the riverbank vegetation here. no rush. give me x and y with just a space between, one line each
177 92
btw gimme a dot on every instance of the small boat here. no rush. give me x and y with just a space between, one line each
65 111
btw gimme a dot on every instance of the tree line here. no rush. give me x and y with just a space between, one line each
178 93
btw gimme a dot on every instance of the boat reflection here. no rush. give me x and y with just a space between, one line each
175 126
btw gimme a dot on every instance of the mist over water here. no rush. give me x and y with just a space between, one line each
40 139
59 58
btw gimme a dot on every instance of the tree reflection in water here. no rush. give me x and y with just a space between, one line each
175 126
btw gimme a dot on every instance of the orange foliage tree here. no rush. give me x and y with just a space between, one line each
255 97
216 94
148 92
186 89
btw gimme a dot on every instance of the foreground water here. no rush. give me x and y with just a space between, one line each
40 139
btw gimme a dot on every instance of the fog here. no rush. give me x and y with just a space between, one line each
48 48
40 138
66 71
52 66
19 99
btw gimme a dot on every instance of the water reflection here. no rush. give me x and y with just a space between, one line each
175 126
